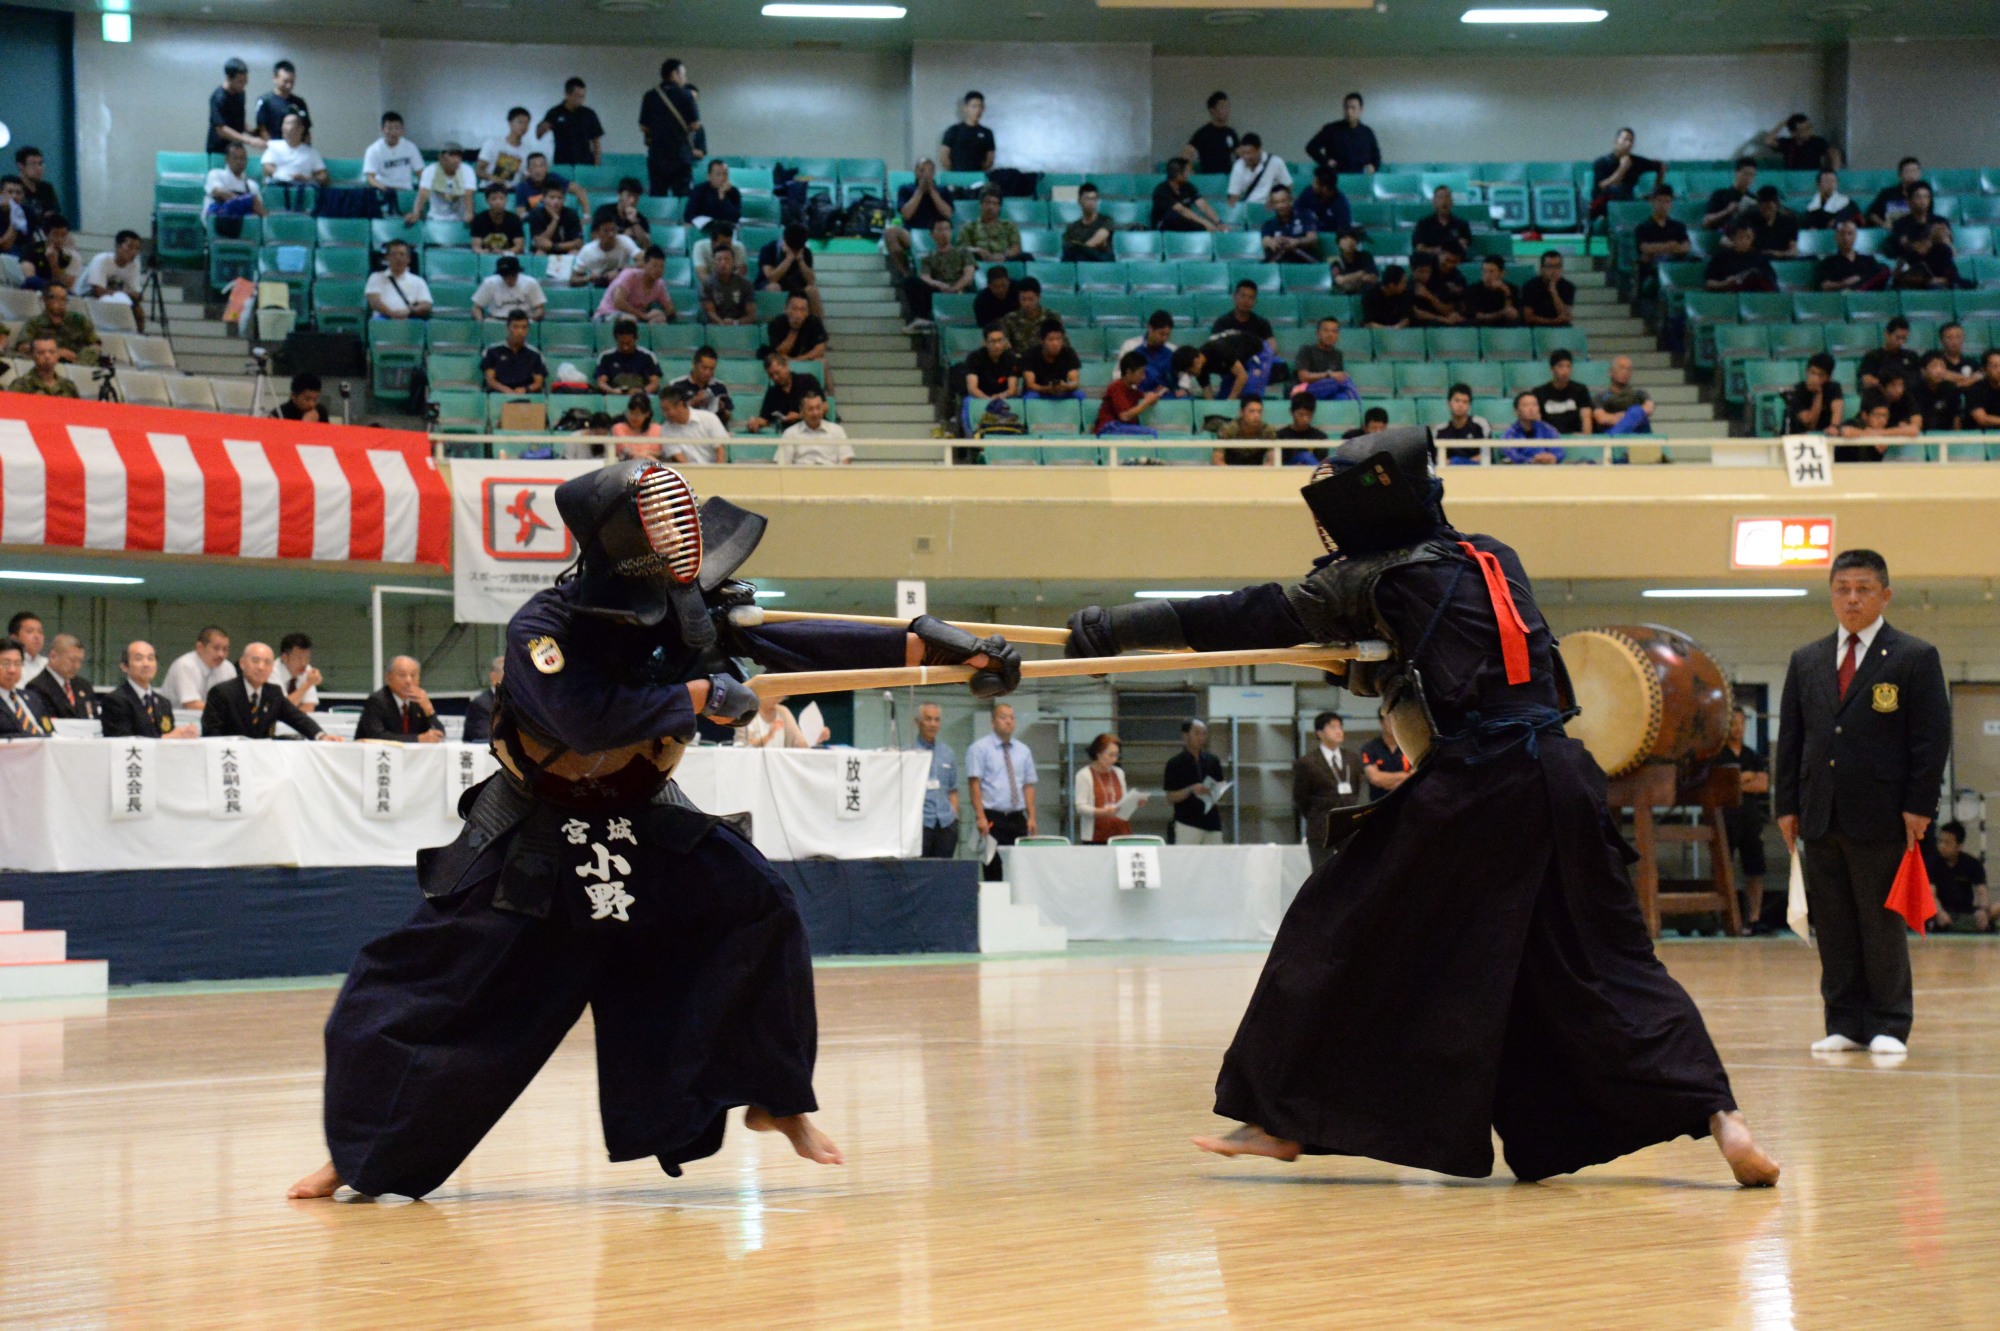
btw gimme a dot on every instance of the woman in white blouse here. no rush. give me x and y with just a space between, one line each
774 726
1100 785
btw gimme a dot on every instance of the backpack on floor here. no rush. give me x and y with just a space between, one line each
866 218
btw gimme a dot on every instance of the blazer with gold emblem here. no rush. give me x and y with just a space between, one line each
1853 766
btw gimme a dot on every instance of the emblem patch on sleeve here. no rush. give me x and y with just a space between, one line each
1885 697
546 655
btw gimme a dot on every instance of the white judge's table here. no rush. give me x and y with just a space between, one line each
1203 893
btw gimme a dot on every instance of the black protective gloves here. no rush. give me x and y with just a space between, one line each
730 699
1097 631
947 644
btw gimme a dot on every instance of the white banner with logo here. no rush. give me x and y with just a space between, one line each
508 541
132 780
382 781
228 778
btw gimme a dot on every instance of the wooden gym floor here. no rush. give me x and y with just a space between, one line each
1016 1133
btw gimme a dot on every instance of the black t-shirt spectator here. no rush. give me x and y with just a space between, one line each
496 234
927 212
1184 770
272 110
1166 195
1215 149
1447 287
569 228
1731 200
706 201
969 145
1379 307
1341 266
1482 299
812 333
781 402
1941 407
1957 885
1472 429
1900 411
1777 235
1256 328
1800 398
514 369
1435 233
1889 203
1563 408
796 278
1811 154
1294 432
1048 371
992 374
1221 355
666 140
1882 365
572 132
1673 231
638 363
1601 169
288 410
1817 218
225 108
1907 230
988 309
1755 809
1982 396
1730 261
1835 268
1535 296
1376 753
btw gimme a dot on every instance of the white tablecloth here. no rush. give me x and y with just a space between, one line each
1207 893
304 804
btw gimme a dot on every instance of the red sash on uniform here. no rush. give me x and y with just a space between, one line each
1513 631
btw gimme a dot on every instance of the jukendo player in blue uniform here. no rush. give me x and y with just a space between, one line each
1474 959
584 877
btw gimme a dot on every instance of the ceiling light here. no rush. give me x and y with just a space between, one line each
1533 16
1723 593
779 596
33 575
835 11
117 27
1169 596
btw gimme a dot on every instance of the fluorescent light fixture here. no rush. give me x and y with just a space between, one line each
770 596
36 575
1533 16
117 27
117 6
1723 593
835 11
1170 596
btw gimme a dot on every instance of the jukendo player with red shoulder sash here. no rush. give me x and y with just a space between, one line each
1474 959
584 877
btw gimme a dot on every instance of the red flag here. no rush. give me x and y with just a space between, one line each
1910 895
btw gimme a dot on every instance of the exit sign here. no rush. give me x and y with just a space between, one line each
1782 543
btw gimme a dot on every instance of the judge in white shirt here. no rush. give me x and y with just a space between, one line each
194 673
392 162
1256 172
606 255
396 292
1100 788
689 434
815 441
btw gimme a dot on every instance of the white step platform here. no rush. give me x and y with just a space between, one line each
1007 927
34 963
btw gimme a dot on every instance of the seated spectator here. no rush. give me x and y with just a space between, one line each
1088 238
1982 400
1346 144
115 277
135 709
1443 232
1052 369
1301 427
1024 326
396 292
1936 396
786 264
991 237
692 434
1661 236
814 441
627 367
716 239
1352 267
1373 421
193 673
1440 287
1922 240
1288 238
1178 205
1127 399
1256 173
575 127
947 270
1870 423
702 389
295 672
498 230
1776 232
508 291
1213 147
504 160
1220 359
1392 304
1899 418
1320 369
624 210
1462 425
1738 267
400 711
1735 201
1894 201
1562 402
54 261
17 718
999 298
72 331
1958 363
1156 348
1249 424
607 255
537 182
1829 207
1813 405
1244 321
26 628
640 293
43 378
1847 269
1528 424
1493 303
229 190
989 375
281 101
249 705
798 333
1615 176
228 113
392 162
1324 207
715 199
1802 149
780 407
513 366
304 404
920 206
17 232
1958 883
38 195
554 227
1892 360
62 692
1621 408
726 297
1548 299
479 707
290 160
967 145
445 188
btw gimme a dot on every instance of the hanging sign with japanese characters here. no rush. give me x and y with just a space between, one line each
851 803
1808 459
465 766
382 781
1138 866
132 780
228 795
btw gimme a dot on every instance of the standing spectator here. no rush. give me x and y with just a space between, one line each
1829 207
1193 781
1352 268
1847 269
1178 205
1288 236
1392 304
1052 368
1256 172
1777 231
1088 238
786 391
391 163
304 404
1744 824
1024 326
1892 360
26 628
920 206
513 366
607 255
17 718
640 293
1212 148
1493 303
726 297
1615 176
230 190
798 333
1462 425
1564 403
1924 256
638 423
1548 299
991 374
1958 882
1855 787
538 182
1443 229
1935 395
295 672
1324 207
1894 200
695 436
1097 793
61 692
1802 149
281 101
578 133
1346 144
1001 773
400 711
509 291
947 270
114 276
814 441
624 210
1813 405
43 379
228 118
1622 408
445 188
504 160
499 229
627 367
1126 400
967 145
715 199
396 292
1325 778
479 708
555 228
991 237
289 159
1320 368
999 298
786 264
135 709
941 786
1661 236
1383 761
1156 348
1528 424
1249 423
670 121
72 331
195 672
1737 266
1734 201
1982 400
1440 287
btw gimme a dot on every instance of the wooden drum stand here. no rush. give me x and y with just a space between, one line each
1654 786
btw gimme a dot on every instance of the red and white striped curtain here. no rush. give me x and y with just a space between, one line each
105 476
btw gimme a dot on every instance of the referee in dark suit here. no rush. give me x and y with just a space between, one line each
1864 730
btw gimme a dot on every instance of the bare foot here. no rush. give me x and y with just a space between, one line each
322 1182
806 1139
1753 1169
1250 1140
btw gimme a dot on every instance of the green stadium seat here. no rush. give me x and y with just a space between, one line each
1238 246
1171 416
1576 341
1096 376
1522 375
1313 308
1265 275
1763 382
770 304
458 336
1969 240
1213 186
1796 274
1452 343
459 410
1402 411
1280 310
728 339
1333 417
1852 339
452 373
1555 207
1305 278
1041 243
1736 343
1819 306
1200 277
665 209
1070 308
339 304
1397 185
1369 212
1136 244
1500 246
1763 307
1798 340
1373 379
181 167
454 296
340 262
342 232
960 342
1969 305
1498 411
676 339
1025 213
1137 275
385 229
462 265
1119 310
1422 378
1510 206
1044 416
1926 305
1210 306
395 350
575 342
291 229
1706 309
1873 305
1485 378
1506 343
952 309
1054 276
745 375
1817 243
1186 245
228 259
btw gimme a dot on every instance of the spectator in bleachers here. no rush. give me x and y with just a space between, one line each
537 182
989 375
670 121
400 711
38 193
1777 231
396 292
289 159
1242 321
814 441
135 709
1320 368
967 145
1902 419
1288 236
1220 359
304 403
1301 428
786 264
1615 176
716 239
61 692
1563 403
228 116
715 199
54 259
479 707
1256 172
1982 400
636 431
1801 149
578 133
115 277
1829 207
920 205
1392 304
72 331
504 160
1127 399
17 233
1346 144
392 162
499 229
1924 255
1249 423
44 377
1734 201
1443 231
513 366
295 673
624 210
26 628
281 101
1737 266
1493 302
997 299
991 237
1439 287
1548 299
554 228
640 293
1212 148
230 190
1324 207
445 188
1846 269
1961 366
1893 201
1052 369
627 367
947 270
1622 408
1661 236
1178 205
16 716
1936 396
194 673
1874 422
701 388
1352 267
726 297
798 333
1156 348
1528 424
1462 425
1373 421
1088 238
507 291
780 407
1892 360
1023 326
607 255
1813 405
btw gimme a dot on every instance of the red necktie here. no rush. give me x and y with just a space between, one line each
406 713
1847 663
